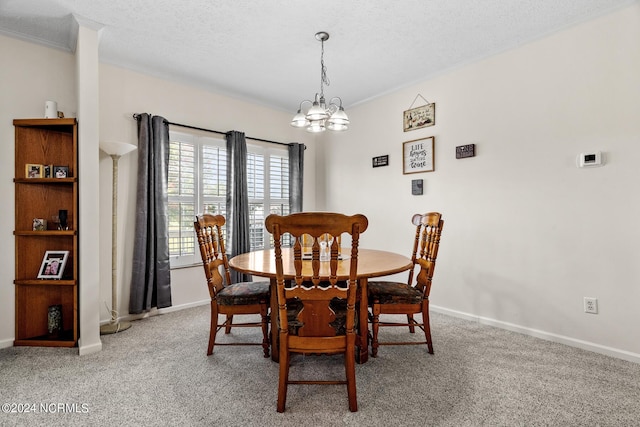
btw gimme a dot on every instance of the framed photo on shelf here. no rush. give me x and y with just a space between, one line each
60 172
417 156
33 170
53 264
39 224
47 171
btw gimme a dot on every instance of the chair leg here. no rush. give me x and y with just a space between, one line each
284 372
426 324
375 326
411 322
350 371
265 329
213 328
227 328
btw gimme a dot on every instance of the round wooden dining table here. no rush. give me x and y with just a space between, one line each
371 263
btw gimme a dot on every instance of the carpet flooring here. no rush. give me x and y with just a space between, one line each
157 373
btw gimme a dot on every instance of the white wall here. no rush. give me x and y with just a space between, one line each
527 234
30 75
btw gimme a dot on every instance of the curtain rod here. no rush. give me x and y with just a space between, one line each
137 117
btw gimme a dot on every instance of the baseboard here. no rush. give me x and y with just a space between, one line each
183 306
83 350
155 312
585 345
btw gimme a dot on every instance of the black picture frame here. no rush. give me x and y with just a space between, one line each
61 171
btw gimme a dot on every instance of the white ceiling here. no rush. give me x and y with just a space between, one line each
265 51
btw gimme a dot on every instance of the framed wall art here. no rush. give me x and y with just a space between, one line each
53 264
380 161
417 155
417 186
419 117
464 151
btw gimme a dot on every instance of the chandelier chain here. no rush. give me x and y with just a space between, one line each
324 80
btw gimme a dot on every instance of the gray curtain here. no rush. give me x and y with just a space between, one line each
296 175
151 280
237 199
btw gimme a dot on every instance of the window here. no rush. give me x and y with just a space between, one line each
268 190
198 183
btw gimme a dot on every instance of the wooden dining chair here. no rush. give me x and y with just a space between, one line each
228 298
409 298
323 320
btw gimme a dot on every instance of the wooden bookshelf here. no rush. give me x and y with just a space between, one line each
46 142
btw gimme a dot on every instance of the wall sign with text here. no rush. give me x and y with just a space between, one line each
464 151
380 161
417 156
419 117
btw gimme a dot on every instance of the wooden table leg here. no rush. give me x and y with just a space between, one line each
275 348
363 322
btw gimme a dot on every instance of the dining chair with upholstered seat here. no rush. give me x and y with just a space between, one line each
228 298
386 297
324 298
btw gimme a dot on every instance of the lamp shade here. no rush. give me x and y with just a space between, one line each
116 148
316 126
338 120
317 112
299 121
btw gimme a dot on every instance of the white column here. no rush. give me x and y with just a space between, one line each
88 184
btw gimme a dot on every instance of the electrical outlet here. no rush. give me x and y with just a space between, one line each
591 305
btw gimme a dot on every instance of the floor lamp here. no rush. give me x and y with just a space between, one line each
115 150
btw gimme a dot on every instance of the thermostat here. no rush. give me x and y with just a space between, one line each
590 159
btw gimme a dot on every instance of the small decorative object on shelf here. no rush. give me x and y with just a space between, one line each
39 224
53 264
47 171
61 171
62 217
54 319
33 170
50 110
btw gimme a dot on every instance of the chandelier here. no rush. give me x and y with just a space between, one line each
321 116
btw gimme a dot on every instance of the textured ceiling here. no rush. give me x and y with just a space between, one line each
265 51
